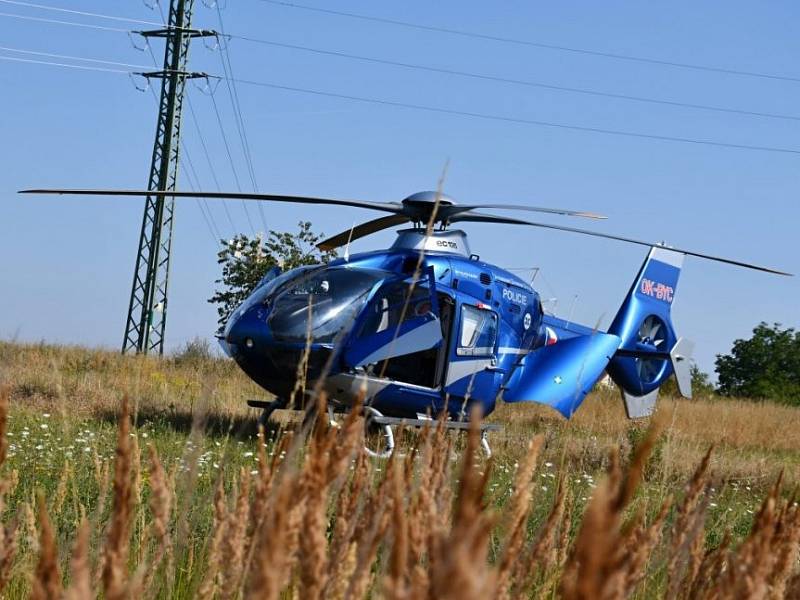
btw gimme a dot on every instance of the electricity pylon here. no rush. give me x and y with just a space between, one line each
147 311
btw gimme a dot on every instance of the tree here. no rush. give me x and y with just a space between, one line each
765 366
245 261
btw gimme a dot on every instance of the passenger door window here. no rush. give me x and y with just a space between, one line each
478 333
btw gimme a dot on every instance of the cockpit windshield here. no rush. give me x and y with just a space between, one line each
319 303
265 288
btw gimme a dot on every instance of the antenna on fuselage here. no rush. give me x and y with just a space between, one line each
571 309
349 239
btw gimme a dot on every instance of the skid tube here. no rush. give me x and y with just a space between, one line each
374 417
387 423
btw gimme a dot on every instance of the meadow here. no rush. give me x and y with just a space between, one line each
143 477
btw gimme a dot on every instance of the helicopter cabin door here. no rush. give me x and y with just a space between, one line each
472 372
399 333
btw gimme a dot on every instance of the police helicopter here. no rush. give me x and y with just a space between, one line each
426 327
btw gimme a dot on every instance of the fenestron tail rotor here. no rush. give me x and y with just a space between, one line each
652 336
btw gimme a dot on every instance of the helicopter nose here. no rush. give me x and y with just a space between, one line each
245 331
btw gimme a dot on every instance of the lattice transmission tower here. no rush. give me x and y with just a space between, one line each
147 311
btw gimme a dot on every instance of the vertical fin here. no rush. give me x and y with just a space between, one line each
637 407
679 357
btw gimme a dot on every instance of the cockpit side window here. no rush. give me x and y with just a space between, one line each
393 305
478 333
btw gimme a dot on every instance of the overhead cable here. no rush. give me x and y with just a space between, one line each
230 160
200 135
195 185
233 95
519 120
444 110
57 64
456 72
81 12
521 42
60 22
69 57
202 203
520 82
208 158
224 139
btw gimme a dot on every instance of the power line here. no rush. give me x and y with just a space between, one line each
227 68
56 64
203 203
200 136
230 159
521 82
225 141
443 110
196 186
423 27
521 42
208 159
233 94
81 12
60 22
68 57
518 120
428 68
209 219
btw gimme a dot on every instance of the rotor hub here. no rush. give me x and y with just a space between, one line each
421 206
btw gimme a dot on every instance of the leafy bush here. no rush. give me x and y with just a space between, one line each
194 352
765 366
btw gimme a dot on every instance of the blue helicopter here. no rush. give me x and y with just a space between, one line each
425 327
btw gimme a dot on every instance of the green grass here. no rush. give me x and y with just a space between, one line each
62 435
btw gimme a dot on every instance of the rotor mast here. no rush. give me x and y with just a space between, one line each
147 311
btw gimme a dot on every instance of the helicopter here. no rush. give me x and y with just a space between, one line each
425 328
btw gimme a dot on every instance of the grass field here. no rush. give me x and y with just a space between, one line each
185 502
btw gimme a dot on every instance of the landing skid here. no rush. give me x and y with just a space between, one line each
267 408
374 418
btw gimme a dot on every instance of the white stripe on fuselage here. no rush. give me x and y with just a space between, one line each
465 368
511 350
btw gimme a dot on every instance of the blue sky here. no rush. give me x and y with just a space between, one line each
67 262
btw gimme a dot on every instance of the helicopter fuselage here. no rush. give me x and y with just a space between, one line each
425 326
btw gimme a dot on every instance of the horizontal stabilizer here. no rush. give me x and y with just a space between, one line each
560 375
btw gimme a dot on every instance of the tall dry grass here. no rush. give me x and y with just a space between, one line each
592 508
318 520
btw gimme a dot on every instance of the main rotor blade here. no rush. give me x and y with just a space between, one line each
362 230
391 207
446 211
482 218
